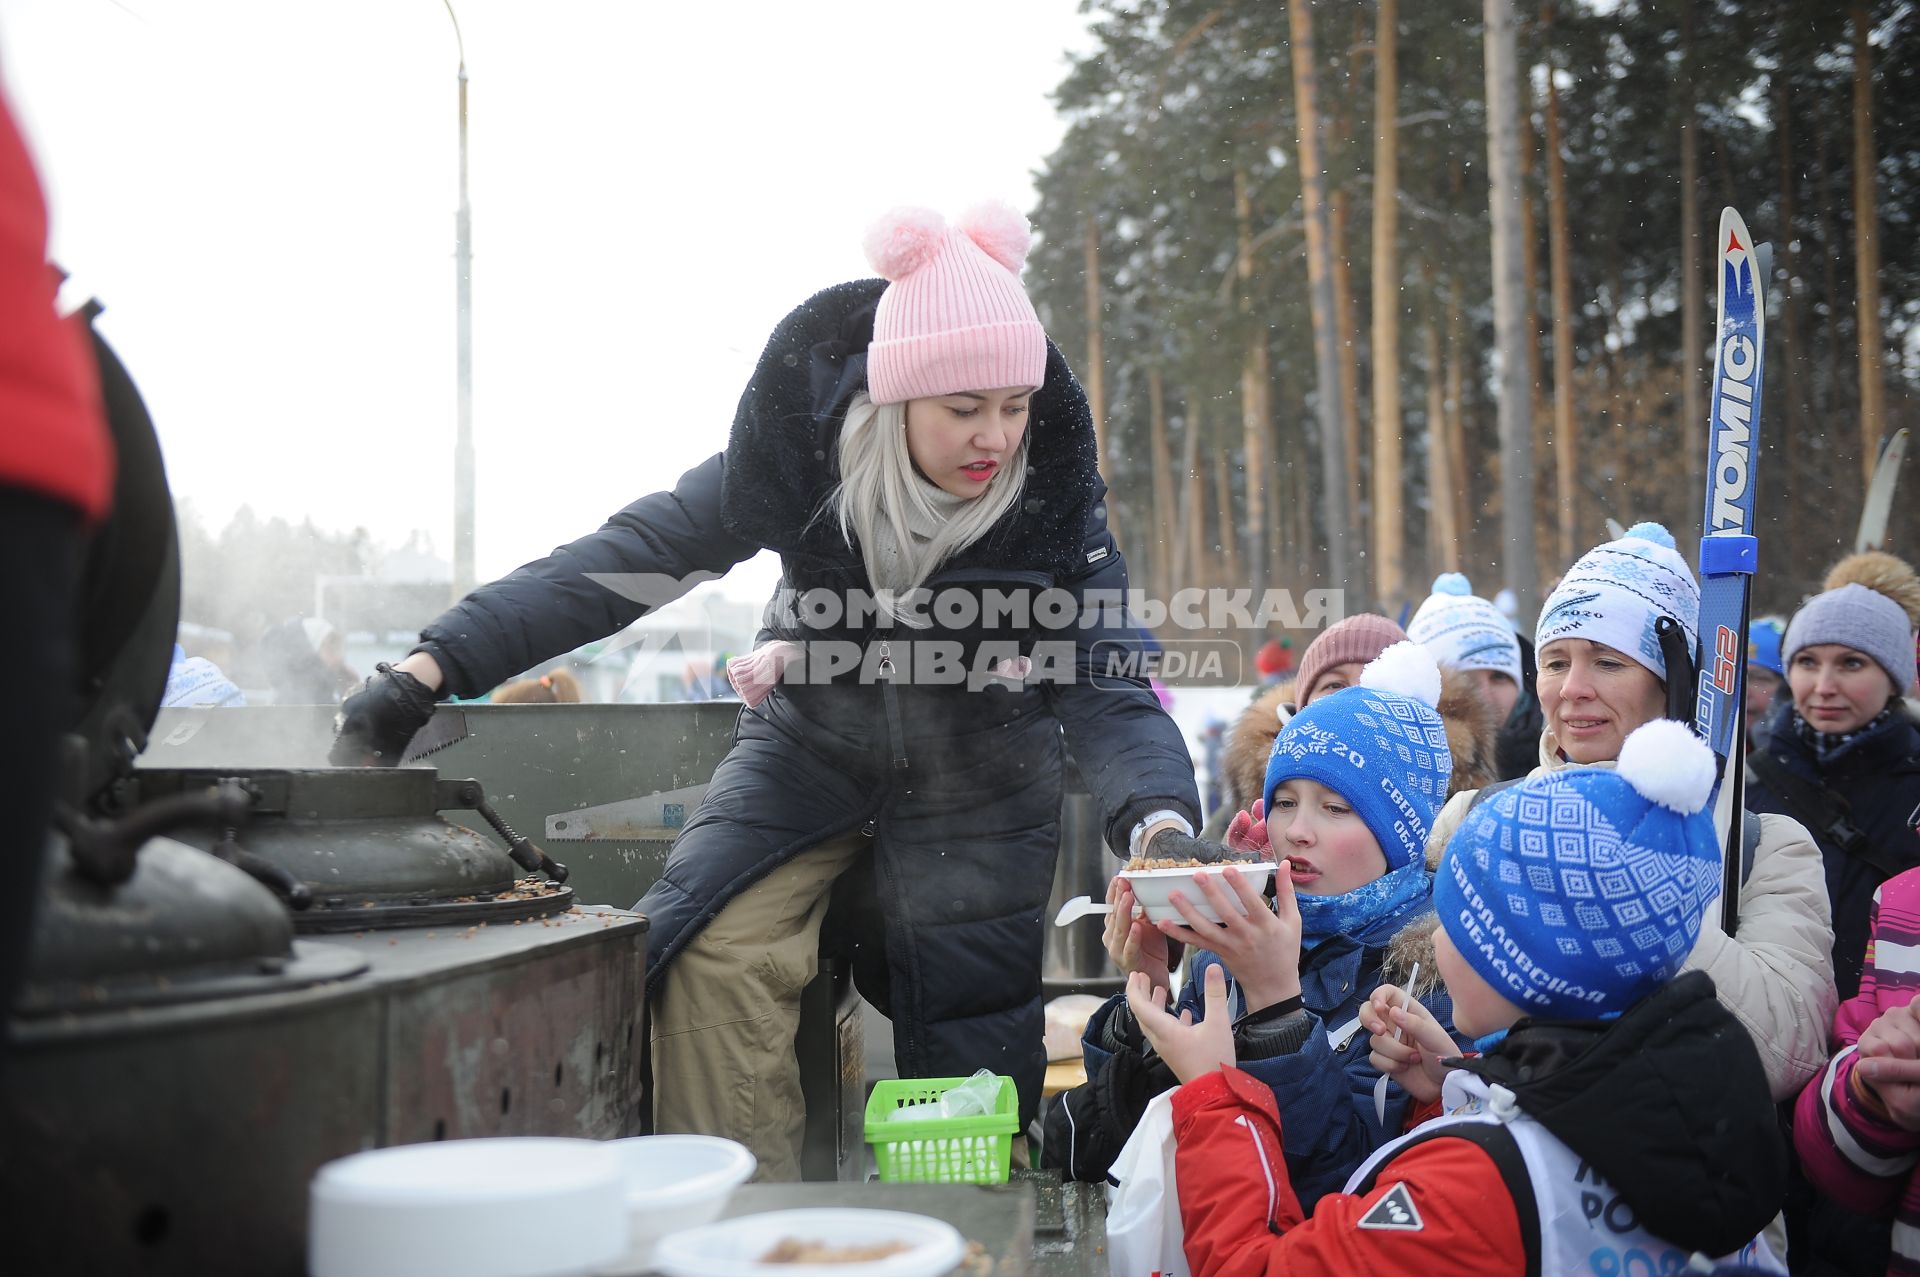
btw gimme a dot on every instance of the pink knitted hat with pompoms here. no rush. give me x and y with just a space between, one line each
954 316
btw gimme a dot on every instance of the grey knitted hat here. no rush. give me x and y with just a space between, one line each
1862 619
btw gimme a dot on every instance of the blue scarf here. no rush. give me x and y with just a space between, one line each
1323 917
1481 1046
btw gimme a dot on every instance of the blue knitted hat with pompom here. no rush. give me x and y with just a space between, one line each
1580 892
1379 744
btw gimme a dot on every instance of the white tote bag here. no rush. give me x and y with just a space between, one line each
1144 1236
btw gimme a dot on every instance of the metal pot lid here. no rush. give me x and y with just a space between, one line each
363 848
185 927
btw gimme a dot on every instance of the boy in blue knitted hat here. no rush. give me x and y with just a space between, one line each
1618 1118
1352 786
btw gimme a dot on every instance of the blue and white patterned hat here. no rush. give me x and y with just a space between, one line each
1763 644
196 681
1616 592
1578 893
1380 745
1465 632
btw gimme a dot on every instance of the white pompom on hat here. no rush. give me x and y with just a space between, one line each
1408 669
1669 765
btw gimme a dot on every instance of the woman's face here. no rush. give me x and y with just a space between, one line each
1337 679
961 442
1330 848
1496 689
1837 689
1593 696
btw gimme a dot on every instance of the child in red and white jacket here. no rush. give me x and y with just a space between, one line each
1617 1118
1857 1125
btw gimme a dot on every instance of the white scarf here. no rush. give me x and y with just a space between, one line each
884 566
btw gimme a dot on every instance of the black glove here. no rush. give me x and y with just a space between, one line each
1083 1130
375 723
1171 844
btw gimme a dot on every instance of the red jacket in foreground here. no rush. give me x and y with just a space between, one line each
1228 1134
1571 1147
53 440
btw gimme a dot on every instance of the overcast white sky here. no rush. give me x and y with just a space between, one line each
262 193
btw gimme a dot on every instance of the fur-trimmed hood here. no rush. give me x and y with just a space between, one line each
1413 945
1473 733
1473 738
1250 742
782 459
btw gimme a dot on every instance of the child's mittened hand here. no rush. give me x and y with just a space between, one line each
1190 1049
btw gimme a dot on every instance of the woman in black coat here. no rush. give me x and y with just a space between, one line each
923 461
1842 756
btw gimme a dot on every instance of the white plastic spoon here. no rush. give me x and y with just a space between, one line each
1080 907
1380 1087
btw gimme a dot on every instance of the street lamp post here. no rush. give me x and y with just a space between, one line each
463 578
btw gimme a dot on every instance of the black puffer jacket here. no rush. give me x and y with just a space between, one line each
961 785
1875 782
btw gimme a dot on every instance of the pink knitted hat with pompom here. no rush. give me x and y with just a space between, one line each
954 316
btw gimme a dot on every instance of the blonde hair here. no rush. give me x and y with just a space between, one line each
878 487
553 687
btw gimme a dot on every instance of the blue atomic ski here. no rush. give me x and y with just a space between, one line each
1728 547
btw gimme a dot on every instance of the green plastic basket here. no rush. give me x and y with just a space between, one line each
941 1150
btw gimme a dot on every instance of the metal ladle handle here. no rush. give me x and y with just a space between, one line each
469 795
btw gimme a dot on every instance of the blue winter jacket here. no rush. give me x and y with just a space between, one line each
1324 1085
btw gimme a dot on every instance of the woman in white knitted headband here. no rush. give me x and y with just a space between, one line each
1603 671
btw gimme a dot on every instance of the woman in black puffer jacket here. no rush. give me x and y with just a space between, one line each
923 461
1843 755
